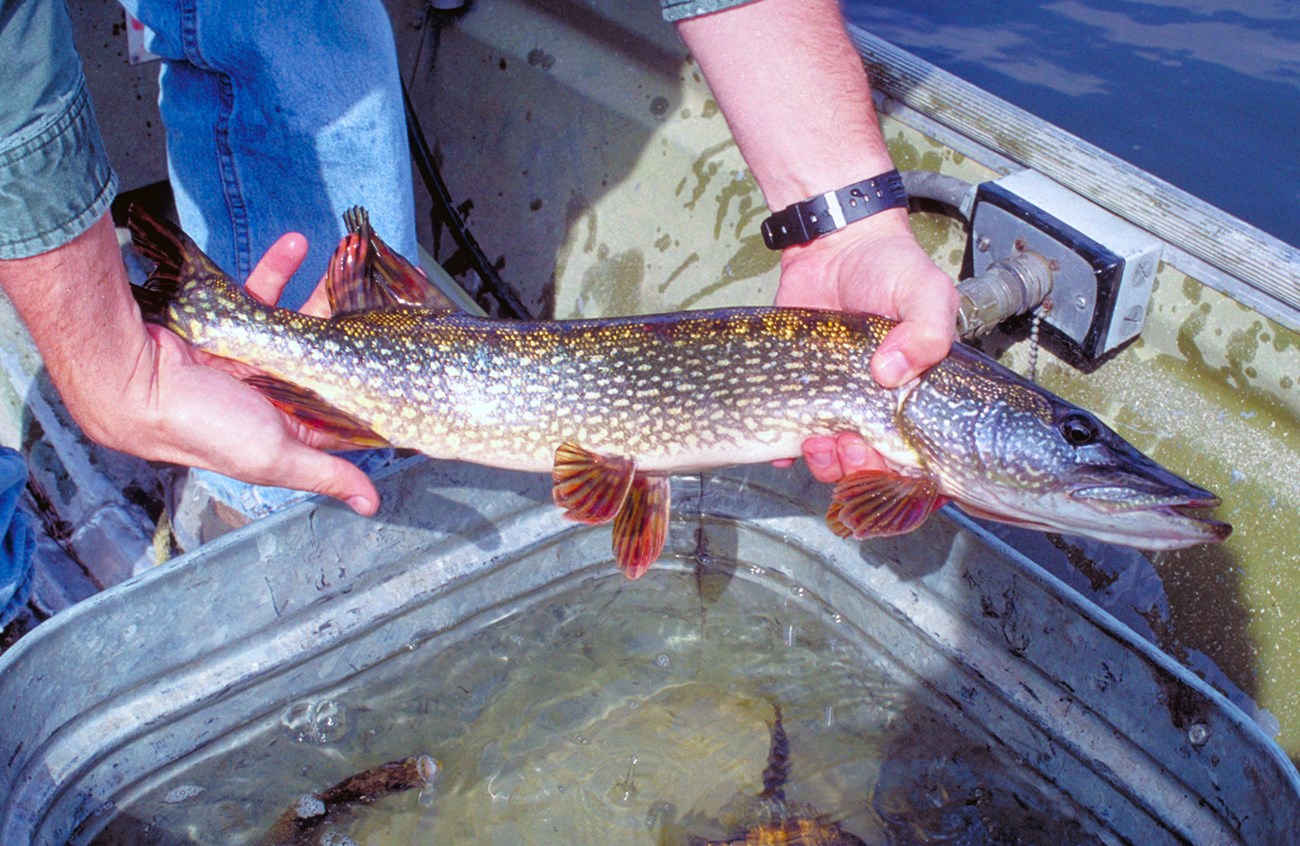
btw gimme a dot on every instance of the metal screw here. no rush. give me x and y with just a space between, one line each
1020 245
982 243
1081 302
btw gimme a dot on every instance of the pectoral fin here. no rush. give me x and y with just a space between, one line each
641 526
590 488
312 410
876 503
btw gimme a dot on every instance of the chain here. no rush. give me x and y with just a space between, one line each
1039 313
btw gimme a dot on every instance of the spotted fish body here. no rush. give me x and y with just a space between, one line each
679 392
612 407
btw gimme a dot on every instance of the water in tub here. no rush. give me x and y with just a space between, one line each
616 712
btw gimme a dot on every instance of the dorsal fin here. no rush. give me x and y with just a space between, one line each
365 274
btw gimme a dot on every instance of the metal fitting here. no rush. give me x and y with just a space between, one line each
1009 287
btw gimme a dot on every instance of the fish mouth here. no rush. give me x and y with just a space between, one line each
1127 497
1152 515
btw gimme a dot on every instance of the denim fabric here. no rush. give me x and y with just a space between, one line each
279 117
55 180
679 10
17 540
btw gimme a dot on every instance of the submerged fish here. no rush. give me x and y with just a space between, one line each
778 822
613 407
302 822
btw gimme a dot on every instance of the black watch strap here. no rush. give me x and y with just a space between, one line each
825 213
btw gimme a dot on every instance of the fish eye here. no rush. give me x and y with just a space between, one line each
1079 429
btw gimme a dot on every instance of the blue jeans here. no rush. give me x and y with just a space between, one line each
279 117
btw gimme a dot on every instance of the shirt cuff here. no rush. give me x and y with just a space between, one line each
680 10
56 183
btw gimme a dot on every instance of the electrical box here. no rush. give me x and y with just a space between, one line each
1102 265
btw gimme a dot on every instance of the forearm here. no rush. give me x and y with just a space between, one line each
77 305
794 93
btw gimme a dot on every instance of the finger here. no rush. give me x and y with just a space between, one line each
822 457
276 267
854 453
318 304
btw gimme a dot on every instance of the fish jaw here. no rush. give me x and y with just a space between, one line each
1151 528
1154 509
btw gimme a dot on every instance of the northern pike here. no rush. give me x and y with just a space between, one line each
613 407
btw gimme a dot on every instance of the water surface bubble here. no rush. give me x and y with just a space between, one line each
335 838
308 806
326 721
181 793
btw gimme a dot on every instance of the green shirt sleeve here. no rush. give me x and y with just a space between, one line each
55 179
678 10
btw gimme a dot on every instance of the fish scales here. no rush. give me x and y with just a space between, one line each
685 392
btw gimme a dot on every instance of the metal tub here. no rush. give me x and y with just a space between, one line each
99 699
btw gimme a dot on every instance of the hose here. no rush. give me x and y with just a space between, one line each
955 193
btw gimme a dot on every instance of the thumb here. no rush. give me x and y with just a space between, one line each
276 267
908 351
319 472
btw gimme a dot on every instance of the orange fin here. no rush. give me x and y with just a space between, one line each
392 272
590 488
876 503
365 274
641 526
310 408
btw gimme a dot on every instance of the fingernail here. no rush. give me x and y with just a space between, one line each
889 367
360 504
855 452
821 459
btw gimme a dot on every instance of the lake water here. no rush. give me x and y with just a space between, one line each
1202 93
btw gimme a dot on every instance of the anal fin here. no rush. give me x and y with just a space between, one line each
878 503
312 410
641 526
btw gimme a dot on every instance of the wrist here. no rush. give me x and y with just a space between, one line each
832 211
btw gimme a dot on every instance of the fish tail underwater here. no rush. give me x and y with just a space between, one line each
613 407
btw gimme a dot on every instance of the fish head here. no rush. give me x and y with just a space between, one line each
1010 451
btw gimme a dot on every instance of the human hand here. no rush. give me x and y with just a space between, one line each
874 266
142 390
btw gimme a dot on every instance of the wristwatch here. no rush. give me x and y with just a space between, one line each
825 213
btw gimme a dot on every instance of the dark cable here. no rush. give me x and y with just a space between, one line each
444 211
